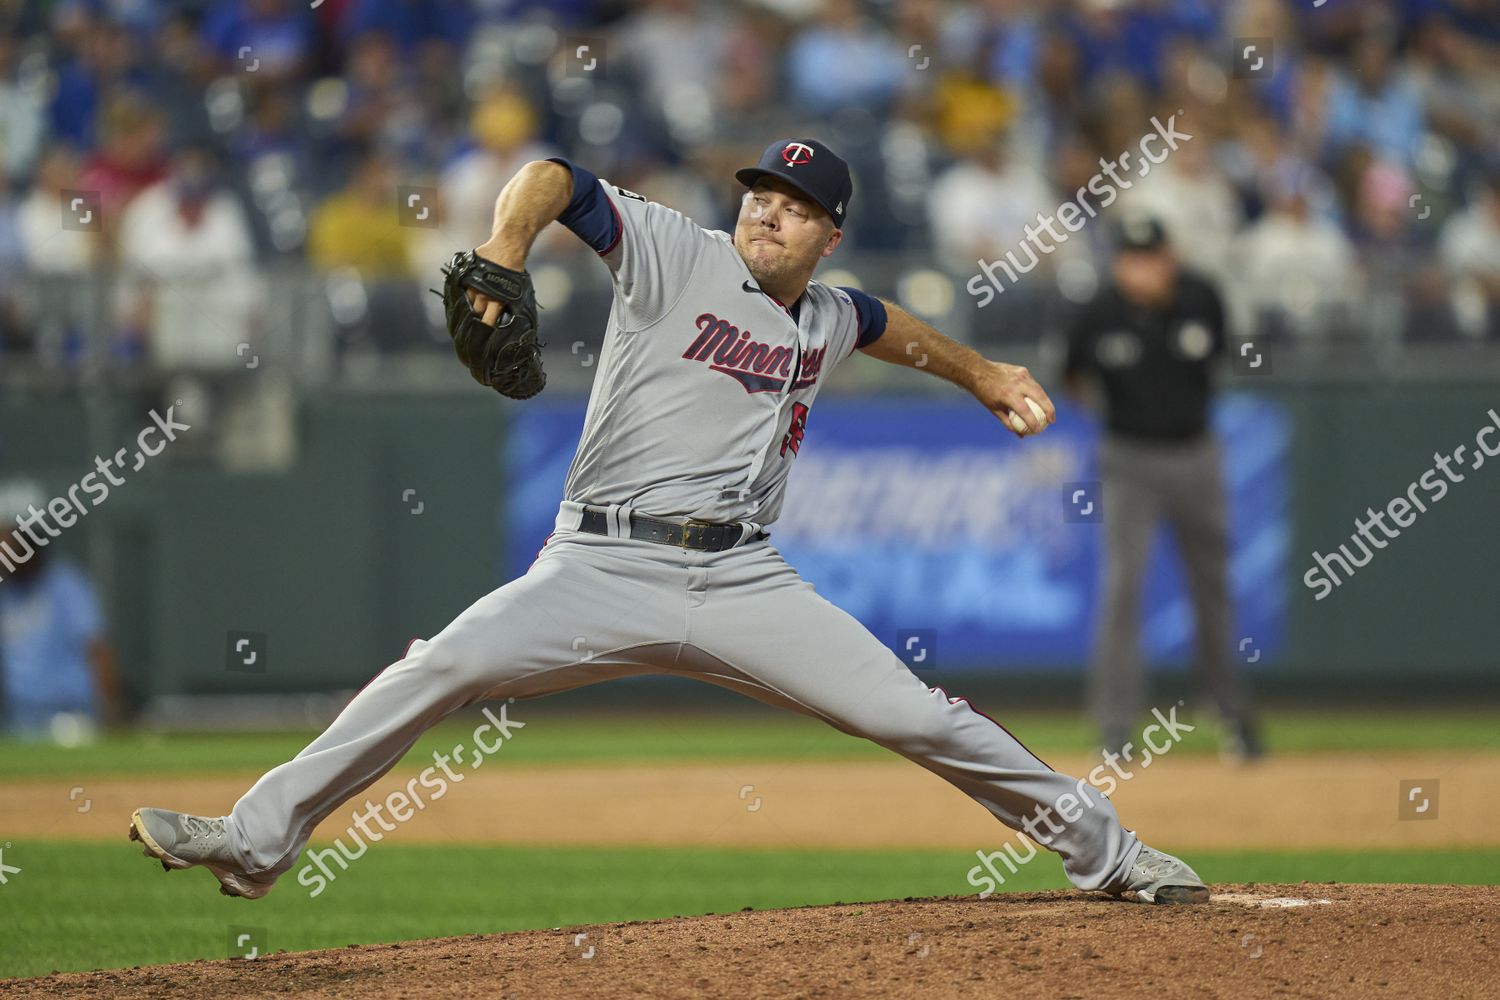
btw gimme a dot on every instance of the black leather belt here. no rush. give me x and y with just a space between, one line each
706 536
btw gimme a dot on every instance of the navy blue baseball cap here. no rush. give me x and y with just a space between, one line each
810 167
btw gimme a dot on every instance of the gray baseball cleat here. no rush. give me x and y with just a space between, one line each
1160 878
179 841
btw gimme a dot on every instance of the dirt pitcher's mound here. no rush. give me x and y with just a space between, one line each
1253 941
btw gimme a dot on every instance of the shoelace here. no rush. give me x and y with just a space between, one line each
196 826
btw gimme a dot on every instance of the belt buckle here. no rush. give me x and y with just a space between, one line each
688 527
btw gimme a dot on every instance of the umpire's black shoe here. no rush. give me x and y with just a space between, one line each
1241 742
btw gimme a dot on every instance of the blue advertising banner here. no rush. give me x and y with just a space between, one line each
924 518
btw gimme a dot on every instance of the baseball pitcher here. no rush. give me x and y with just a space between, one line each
716 348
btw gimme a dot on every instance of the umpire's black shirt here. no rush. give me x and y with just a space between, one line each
1154 364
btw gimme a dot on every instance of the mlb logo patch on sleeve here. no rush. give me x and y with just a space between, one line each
629 194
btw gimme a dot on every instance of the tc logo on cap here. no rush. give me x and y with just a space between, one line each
796 152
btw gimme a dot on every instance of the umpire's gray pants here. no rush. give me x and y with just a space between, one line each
596 607
1146 484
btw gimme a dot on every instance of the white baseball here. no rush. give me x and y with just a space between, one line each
1036 411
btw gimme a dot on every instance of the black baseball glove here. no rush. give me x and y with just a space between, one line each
507 357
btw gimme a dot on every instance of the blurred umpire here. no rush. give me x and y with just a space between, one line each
1149 341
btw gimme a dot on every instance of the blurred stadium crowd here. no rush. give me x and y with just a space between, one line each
171 166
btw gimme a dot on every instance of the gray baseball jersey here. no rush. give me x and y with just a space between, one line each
705 381
698 410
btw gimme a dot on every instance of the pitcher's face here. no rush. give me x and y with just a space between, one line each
781 233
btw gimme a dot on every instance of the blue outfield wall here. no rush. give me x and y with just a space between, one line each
936 528
918 514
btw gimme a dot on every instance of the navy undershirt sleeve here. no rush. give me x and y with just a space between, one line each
871 313
590 215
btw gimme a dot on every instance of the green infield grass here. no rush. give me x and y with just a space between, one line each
90 905
558 737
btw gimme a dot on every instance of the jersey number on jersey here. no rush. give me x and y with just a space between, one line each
794 434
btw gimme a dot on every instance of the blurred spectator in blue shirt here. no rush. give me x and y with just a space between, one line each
844 60
103 58
998 40
1479 19
563 12
275 37
1448 69
1376 105
59 673
1118 37
1053 99
381 105
412 23
179 76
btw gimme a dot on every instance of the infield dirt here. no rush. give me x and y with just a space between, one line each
1302 940
1326 801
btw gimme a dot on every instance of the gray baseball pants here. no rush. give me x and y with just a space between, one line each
1146 483
597 607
